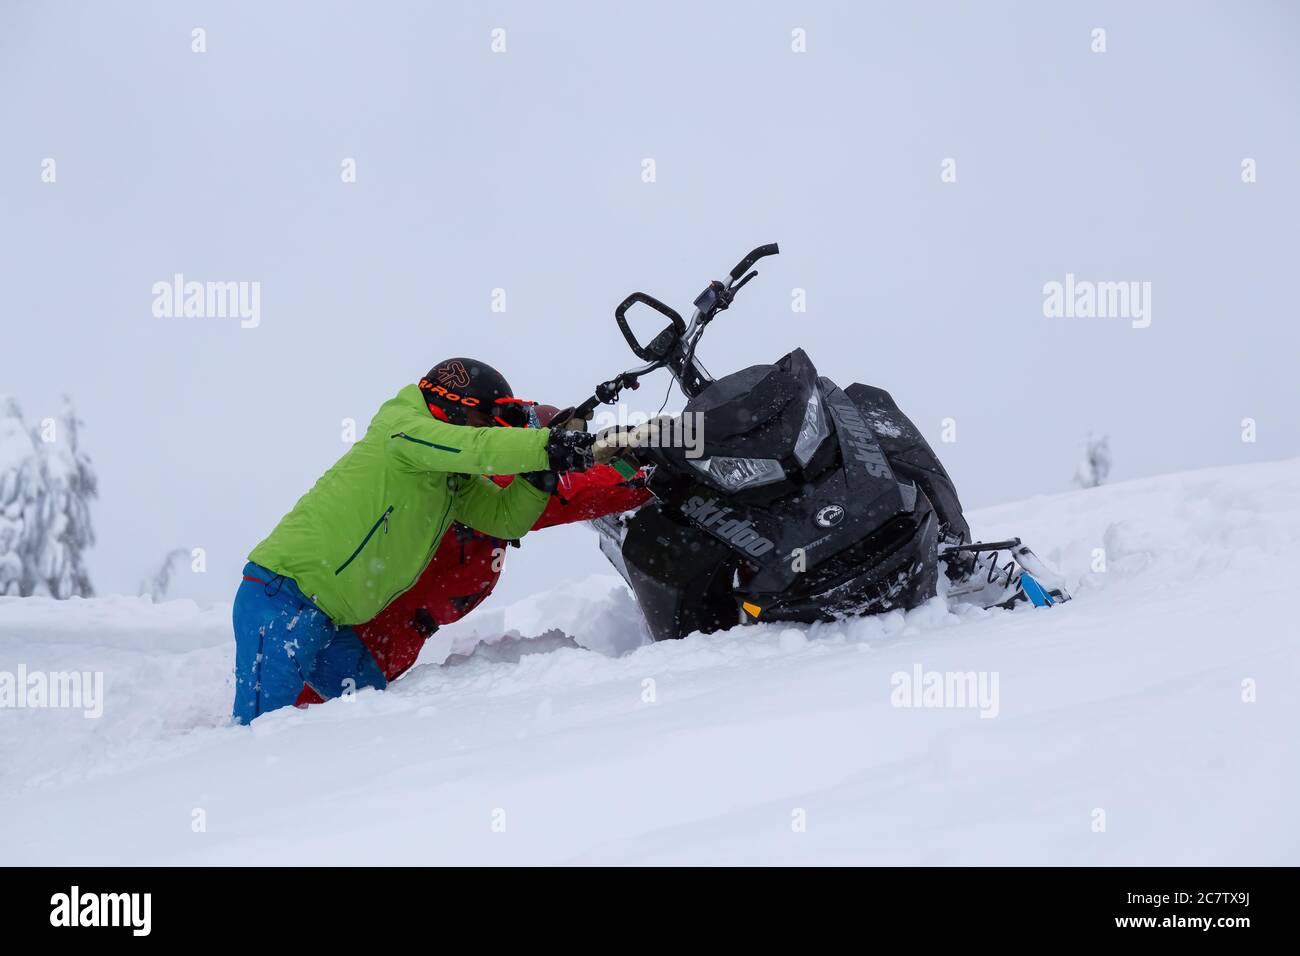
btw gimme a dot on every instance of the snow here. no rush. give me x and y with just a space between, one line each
1129 701
15 445
884 426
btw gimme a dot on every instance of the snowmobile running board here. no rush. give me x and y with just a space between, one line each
982 546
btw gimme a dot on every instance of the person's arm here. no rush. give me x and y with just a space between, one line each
594 493
507 512
423 443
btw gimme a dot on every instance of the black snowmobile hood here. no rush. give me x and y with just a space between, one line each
834 508
761 396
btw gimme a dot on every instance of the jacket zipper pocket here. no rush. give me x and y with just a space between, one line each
421 441
383 520
433 549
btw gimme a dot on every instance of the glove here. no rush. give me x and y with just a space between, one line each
618 441
567 418
423 623
569 451
543 481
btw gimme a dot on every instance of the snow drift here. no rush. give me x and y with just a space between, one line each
1152 720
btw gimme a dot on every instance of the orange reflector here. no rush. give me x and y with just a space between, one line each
753 609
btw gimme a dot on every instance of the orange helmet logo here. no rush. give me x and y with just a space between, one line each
453 375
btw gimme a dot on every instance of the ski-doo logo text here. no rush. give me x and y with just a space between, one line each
71 690
860 438
946 689
179 299
1084 299
711 516
103 909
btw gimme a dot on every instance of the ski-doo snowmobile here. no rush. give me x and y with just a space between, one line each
802 501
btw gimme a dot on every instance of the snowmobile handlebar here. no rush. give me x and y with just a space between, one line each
744 265
674 347
659 346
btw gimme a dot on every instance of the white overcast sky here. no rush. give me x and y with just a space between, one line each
523 170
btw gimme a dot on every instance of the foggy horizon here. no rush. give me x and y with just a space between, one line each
523 170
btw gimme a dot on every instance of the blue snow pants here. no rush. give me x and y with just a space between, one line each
283 641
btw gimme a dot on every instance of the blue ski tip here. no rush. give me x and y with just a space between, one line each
1034 591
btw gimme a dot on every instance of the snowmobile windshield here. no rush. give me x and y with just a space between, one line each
742 401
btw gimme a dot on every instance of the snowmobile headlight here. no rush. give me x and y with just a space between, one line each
813 431
733 474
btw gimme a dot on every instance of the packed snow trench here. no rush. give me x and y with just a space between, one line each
1152 720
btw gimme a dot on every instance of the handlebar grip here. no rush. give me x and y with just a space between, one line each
771 249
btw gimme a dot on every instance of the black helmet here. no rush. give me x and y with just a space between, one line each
455 386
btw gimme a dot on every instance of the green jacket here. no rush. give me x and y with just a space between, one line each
368 527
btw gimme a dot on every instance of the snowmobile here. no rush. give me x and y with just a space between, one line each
803 501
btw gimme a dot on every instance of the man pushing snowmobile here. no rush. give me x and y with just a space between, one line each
368 528
468 563
804 502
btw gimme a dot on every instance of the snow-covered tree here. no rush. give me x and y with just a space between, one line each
46 484
21 498
156 587
65 532
1095 466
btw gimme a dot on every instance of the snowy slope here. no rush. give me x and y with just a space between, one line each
1129 700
